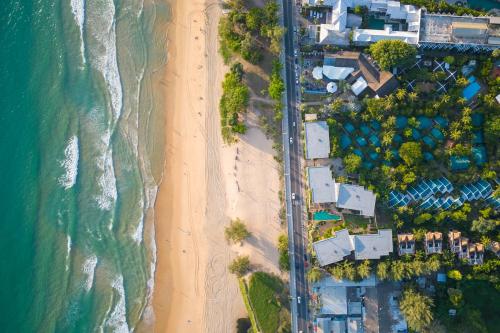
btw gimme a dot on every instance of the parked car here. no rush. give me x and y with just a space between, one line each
293 196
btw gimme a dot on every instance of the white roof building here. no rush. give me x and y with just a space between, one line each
331 87
321 184
367 246
317 140
373 246
336 30
355 197
334 249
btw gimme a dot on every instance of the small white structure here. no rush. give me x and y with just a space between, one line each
498 98
334 300
337 73
368 246
331 87
355 197
359 86
317 73
317 140
321 184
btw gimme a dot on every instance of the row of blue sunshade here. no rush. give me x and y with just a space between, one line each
435 194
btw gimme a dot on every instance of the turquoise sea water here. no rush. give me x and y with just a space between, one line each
78 122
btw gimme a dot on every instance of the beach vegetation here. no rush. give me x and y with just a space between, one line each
240 266
246 300
391 53
284 258
314 274
233 103
237 231
269 301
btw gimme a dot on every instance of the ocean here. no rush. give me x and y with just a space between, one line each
80 160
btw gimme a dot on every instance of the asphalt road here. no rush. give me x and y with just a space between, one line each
294 153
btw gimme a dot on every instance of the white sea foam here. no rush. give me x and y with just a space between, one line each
78 10
102 27
68 251
70 163
117 320
107 182
89 270
137 235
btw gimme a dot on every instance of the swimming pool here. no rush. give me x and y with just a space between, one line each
325 216
472 89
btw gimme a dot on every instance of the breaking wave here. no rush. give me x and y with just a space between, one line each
89 270
78 10
70 163
118 319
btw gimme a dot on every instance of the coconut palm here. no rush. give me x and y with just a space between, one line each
397 270
364 269
416 309
383 270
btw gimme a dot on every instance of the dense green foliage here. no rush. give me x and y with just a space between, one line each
411 152
251 315
314 274
236 232
233 103
417 309
284 259
240 266
391 53
436 6
266 293
352 162
246 31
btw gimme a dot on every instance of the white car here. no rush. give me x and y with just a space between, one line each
297 81
298 299
294 124
291 140
293 196
296 52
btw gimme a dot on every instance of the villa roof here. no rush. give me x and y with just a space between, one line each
436 235
355 197
406 238
454 234
368 246
373 246
476 247
333 249
495 247
321 184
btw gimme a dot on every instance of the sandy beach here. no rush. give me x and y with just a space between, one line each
205 184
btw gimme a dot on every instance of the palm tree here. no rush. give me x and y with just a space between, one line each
387 138
383 270
364 269
397 270
416 309
400 94
433 264
413 96
349 271
337 272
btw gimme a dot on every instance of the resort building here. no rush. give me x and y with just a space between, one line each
356 199
495 248
341 24
341 245
321 184
353 198
433 242
317 140
406 23
458 244
373 246
406 244
358 70
476 253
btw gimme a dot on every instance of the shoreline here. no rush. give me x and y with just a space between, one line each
205 184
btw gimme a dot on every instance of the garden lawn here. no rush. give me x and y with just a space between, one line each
264 291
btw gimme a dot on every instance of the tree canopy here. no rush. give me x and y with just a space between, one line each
240 266
411 152
416 309
236 231
391 53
